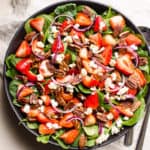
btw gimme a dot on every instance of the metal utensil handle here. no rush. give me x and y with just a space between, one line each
140 141
139 145
129 137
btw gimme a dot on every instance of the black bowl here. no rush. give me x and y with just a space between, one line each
18 37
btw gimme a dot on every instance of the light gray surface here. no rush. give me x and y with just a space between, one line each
12 13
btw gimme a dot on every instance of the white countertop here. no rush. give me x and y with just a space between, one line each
12 13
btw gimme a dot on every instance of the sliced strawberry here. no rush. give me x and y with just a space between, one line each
99 24
31 76
92 101
78 33
33 113
49 111
64 121
102 84
46 100
125 65
125 111
37 23
109 40
133 39
89 120
117 22
42 118
25 92
65 24
139 77
70 136
44 130
106 55
115 113
96 39
23 50
89 81
83 19
132 91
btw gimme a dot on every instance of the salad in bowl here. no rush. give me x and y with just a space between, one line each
78 76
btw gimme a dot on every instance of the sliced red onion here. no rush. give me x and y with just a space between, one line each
63 15
29 84
34 37
39 54
77 42
100 130
56 82
65 111
130 96
19 91
135 56
76 118
108 69
86 28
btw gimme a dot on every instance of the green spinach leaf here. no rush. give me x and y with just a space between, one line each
13 86
84 89
32 125
43 138
11 73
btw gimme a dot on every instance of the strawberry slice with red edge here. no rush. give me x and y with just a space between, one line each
132 39
117 22
37 23
23 50
99 24
106 55
125 65
96 39
92 101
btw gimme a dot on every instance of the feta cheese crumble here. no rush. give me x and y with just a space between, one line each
83 72
123 90
94 48
40 77
114 130
26 108
54 103
103 137
110 116
40 44
70 88
88 111
93 64
60 58
52 86
68 39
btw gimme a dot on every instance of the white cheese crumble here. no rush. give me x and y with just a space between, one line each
40 44
68 39
114 76
52 125
93 64
52 86
72 65
94 48
83 72
54 29
60 58
86 40
40 102
125 118
112 62
110 116
69 88
103 137
41 108
50 40
88 111
93 88
102 25
76 25
116 54
119 123
75 37
123 90
54 103
108 83
114 130
26 108
40 77
134 47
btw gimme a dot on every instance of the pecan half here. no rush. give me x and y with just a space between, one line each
82 141
79 111
143 61
101 116
30 36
